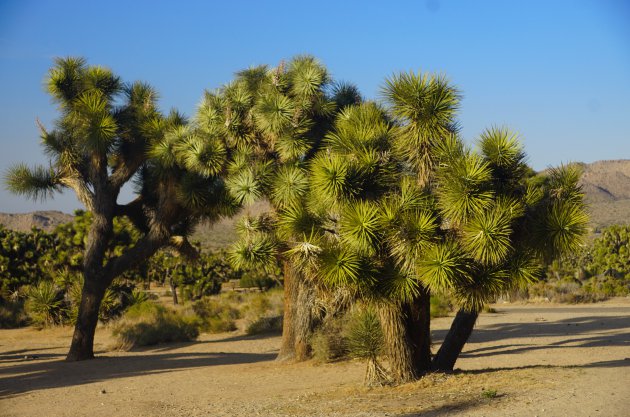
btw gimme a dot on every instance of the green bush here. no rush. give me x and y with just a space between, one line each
45 304
441 306
266 324
216 315
12 314
262 312
147 324
329 342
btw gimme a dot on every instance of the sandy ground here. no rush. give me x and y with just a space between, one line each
542 360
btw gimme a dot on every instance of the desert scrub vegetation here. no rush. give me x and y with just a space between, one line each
263 312
329 342
149 323
216 315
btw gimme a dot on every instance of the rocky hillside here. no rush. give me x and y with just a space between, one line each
607 188
45 220
606 184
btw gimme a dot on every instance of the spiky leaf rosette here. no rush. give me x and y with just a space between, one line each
463 188
340 267
259 250
486 236
360 227
483 286
37 183
289 186
504 152
444 266
410 237
204 156
360 128
426 105
330 179
365 336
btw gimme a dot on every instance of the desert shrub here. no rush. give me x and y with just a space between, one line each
266 324
262 312
12 314
45 304
216 315
148 323
441 305
329 342
365 341
257 279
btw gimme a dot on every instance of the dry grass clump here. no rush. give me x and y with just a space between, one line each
216 315
262 312
148 323
329 342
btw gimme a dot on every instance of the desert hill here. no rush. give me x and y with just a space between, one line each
44 220
605 183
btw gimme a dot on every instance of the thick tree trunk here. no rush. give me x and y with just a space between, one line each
407 334
417 322
397 347
94 283
291 291
304 321
455 339
82 346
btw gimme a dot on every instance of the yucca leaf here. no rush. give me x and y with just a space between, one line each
486 236
289 186
37 183
361 226
443 266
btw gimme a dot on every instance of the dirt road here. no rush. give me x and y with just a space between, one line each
523 361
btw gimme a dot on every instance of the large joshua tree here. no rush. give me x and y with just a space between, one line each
275 119
501 224
108 134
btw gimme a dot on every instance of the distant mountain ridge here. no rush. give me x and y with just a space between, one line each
606 185
44 220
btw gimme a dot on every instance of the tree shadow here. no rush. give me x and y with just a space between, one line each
582 332
459 407
618 363
236 338
37 374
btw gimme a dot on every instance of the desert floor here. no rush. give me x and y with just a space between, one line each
542 360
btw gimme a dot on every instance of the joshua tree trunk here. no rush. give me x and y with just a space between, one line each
291 291
417 321
171 283
98 277
407 335
304 320
397 346
455 339
82 346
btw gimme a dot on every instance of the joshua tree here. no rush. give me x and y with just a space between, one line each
275 119
108 134
501 224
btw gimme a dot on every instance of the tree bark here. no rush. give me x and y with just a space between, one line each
397 347
407 334
304 320
94 282
417 322
82 346
291 291
173 290
97 277
455 339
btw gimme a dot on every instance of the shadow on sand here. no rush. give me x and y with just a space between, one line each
576 332
42 373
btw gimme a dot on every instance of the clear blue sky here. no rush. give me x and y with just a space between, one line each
558 72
